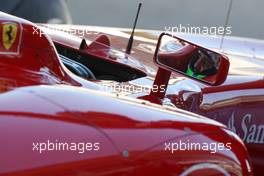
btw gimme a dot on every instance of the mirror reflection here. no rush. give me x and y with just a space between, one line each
188 59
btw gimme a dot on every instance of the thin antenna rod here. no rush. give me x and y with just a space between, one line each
130 41
226 23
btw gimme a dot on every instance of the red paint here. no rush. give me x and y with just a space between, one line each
161 80
131 132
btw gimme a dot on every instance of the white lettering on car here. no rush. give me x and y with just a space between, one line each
251 133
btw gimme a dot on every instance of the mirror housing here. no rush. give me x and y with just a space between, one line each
190 60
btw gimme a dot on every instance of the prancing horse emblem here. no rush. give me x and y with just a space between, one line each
9 35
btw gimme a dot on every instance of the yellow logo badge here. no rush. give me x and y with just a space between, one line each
9 35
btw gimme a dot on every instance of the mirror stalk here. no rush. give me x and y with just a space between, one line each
161 82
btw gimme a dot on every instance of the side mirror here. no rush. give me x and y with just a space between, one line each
190 60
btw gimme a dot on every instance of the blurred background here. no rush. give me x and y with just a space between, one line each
246 16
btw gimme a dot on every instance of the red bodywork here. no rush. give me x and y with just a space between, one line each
236 103
42 101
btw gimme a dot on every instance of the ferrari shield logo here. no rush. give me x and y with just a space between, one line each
9 35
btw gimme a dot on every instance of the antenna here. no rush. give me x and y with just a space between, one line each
226 23
130 41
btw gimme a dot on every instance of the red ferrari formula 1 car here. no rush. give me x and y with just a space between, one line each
58 117
235 101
